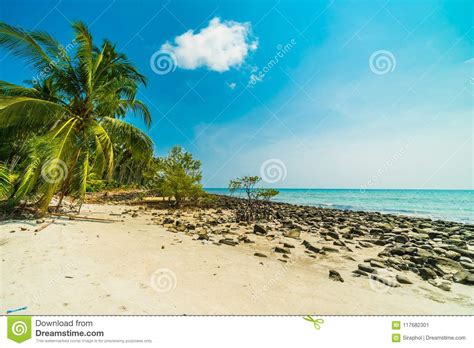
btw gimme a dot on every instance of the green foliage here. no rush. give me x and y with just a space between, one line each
178 175
256 198
266 194
5 181
71 114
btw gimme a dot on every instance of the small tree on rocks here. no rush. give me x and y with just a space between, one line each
256 202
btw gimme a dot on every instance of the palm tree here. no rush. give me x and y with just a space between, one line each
71 116
5 181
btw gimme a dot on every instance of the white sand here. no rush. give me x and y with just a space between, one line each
112 267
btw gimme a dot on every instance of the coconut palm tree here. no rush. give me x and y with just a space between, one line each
72 114
5 181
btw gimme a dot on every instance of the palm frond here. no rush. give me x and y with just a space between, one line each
21 44
5 181
130 136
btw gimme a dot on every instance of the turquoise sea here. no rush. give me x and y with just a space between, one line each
451 205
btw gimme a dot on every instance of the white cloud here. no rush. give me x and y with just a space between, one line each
219 46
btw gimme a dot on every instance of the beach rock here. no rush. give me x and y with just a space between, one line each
259 230
376 231
427 273
310 247
293 233
377 264
228 242
445 265
403 280
464 277
168 220
281 250
463 252
401 239
359 273
334 275
452 255
467 265
329 249
365 268
383 280
398 251
442 284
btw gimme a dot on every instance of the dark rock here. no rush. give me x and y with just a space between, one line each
260 230
464 277
228 242
260 255
333 234
359 273
383 280
426 273
365 268
330 250
168 220
334 275
281 250
310 247
398 251
401 239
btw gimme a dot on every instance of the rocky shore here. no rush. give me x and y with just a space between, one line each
129 253
439 252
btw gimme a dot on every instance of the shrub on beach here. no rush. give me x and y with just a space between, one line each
178 176
255 206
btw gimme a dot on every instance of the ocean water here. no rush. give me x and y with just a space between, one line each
450 205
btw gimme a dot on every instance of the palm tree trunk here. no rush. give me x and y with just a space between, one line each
66 182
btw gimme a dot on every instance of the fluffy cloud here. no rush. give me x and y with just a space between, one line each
219 46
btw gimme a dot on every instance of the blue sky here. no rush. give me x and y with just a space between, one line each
320 114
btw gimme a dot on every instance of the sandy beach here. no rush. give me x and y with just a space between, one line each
144 264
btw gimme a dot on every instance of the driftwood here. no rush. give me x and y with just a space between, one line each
82 217
44 226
